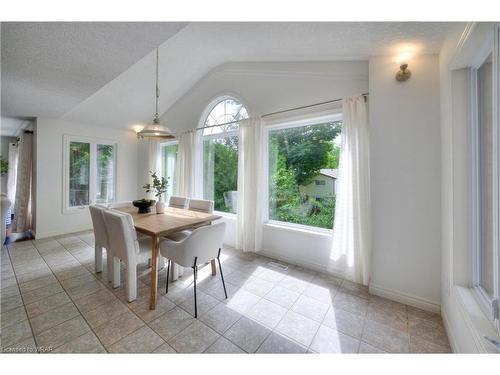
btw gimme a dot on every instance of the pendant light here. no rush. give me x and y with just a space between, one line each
155 129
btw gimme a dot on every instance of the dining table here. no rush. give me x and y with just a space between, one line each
163 224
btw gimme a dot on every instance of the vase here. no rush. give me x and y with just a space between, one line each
160 207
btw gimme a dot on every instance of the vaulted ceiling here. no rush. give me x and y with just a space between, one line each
103 73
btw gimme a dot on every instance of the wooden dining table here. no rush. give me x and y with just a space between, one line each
159 225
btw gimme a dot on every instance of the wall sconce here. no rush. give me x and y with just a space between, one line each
404 73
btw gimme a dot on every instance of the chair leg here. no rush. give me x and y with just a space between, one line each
195 276
98 258
109 264
168 274
221 274
116 272
131 282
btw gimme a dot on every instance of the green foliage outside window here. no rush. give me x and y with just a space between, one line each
296 156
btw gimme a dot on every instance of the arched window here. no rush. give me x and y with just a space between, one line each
220 153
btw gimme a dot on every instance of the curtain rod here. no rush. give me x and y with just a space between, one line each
278 112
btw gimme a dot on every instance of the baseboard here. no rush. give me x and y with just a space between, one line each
310 265
449 332
42 235
405 298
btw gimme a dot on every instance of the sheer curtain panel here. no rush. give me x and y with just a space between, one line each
350 254
22 208
250 185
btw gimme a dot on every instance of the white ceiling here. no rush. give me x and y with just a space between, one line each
70 82
48 68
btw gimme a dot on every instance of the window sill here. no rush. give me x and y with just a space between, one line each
477 321
297 228
75 210
226 215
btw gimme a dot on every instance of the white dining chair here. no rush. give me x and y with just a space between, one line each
178 202
101 239
201 246
125 247
5 205
120 204
201 205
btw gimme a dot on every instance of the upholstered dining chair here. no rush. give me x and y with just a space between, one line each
5 205
201 246
201 205
178 202
101 239
125 247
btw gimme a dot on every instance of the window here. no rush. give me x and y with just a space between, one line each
168 161
90 170
485 170
303 158
220 154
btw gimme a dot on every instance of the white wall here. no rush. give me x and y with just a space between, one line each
264 88
49 133
405 181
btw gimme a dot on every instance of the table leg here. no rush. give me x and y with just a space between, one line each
154 272
214 270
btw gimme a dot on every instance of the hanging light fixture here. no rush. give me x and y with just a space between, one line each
155 129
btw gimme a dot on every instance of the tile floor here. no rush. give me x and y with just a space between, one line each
53 301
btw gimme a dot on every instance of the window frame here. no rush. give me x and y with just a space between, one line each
289 123
93 142
489 305
229 133
166 144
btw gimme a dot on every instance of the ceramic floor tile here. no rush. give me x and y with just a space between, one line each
164 349
298 328
282 296
144 340
104 313
220 318
117 328
247 334
54 317
277 343
47 304
328 340
87 343
294 284
242 301
345 322
205 303
196 338
365 348
13 316
142 310
393 318
62 333
351 303
224 346
266 312
16 333
41 293
258 286
171 323
11 303
321 293
385 338
419 345
310 308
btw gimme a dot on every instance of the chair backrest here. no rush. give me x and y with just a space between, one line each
122 236
120 204
203 243
5 205
178 202
100 234
201 205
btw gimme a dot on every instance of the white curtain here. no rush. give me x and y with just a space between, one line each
153 161
250 186
351 247
187 155
12 173
22 209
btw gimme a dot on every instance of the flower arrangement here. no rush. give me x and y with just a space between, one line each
159 185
